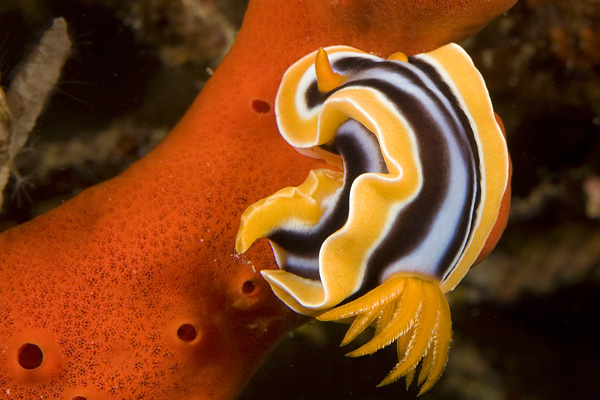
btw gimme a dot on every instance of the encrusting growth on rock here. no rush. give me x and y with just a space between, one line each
29 91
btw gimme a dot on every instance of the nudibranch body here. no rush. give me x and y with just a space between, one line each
420 199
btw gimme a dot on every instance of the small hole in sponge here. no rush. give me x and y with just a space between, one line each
30 356
261 106
248 287
187 332
79 398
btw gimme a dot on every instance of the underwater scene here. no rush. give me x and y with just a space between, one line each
256 199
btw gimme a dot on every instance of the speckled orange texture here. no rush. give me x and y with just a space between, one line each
103 283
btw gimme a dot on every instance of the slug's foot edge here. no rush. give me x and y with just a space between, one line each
411 311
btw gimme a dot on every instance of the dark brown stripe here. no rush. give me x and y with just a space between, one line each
357 160
414 222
